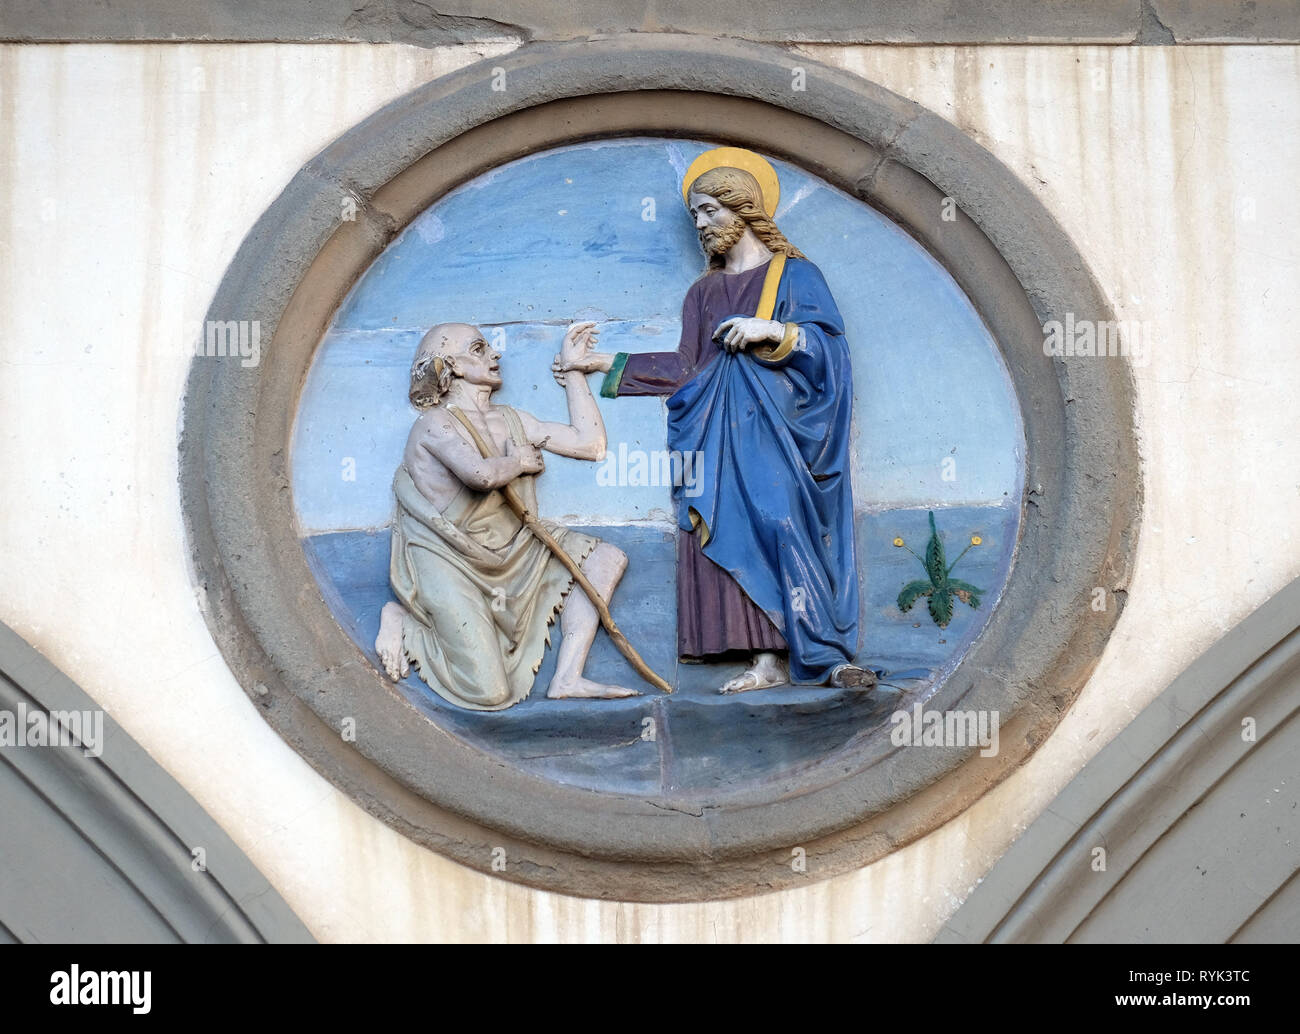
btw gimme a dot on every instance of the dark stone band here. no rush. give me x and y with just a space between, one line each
826 21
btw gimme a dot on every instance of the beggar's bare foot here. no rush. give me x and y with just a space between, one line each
388 643
585 689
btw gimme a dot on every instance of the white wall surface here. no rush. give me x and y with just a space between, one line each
130 173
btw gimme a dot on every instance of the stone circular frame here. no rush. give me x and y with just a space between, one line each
1020 270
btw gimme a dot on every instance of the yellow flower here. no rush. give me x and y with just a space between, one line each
975 540
898 542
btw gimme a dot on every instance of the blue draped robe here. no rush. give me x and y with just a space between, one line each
772 438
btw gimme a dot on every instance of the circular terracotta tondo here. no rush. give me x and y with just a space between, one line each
272 615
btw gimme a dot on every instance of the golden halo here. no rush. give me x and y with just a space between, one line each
738 158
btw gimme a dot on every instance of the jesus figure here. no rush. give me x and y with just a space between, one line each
760 390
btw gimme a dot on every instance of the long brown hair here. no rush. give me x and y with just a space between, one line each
740 192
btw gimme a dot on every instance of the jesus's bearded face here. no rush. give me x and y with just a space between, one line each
719 228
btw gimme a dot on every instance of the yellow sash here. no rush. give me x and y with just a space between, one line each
767 306
767 300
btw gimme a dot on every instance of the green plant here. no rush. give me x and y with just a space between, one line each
939 588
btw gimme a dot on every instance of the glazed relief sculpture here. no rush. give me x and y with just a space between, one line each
759 392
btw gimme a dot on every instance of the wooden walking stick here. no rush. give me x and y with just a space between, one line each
535 526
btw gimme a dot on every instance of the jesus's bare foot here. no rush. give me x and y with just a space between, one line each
388 643
768 671
850 676
584 689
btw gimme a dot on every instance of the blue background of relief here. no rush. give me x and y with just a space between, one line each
560 236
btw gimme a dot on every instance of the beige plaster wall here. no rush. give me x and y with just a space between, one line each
130 173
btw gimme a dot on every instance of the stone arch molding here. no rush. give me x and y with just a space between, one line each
1080 511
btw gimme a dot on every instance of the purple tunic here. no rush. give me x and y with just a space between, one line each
714 616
